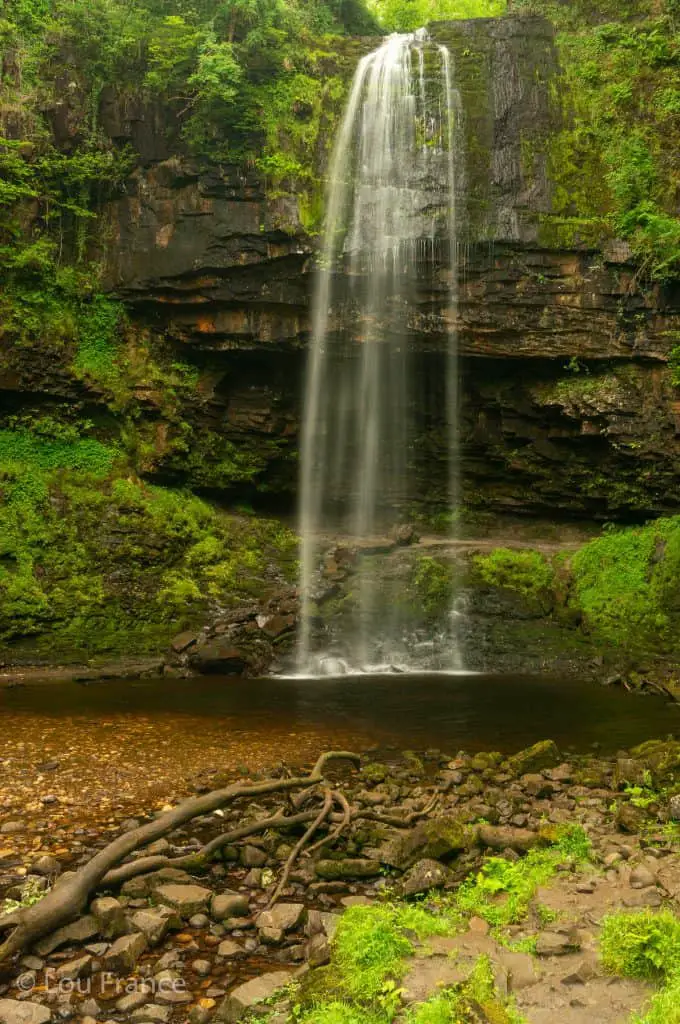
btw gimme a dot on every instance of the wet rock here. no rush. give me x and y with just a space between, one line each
183 641
124 953
228 904
199 921
661 758
537 786
79 931
229 948
201 1013
534 759
155 923
14 1012
151 1013
201 967
221 658
349 867
110 917
423 876
9 828
247 996
318 950
282 917
171 988
185 899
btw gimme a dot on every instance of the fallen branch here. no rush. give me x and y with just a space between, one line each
339 829
299 846
67 900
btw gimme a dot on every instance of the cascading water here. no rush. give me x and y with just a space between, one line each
390 210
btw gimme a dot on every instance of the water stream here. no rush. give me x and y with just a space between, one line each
390 218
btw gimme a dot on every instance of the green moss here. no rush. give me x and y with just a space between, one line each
96 563
526 572
433 583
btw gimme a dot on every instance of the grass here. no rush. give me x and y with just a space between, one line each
526 572
646 945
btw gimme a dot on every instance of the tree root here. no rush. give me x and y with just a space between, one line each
67 900
299 846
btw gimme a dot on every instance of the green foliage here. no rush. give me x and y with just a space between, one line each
664 1007
626 583
614 163
503 890
407 15
31 894
433 582
100 563
526 572
643 945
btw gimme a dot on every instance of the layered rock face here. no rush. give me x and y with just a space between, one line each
569 406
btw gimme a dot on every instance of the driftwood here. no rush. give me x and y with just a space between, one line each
67 900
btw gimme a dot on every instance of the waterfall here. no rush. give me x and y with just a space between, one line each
390 210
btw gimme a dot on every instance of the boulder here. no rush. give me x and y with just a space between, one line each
74 969
229 904
219 658
431 840
124 953
661 758
14 1012
534 759
155 923
282 917
187 900
423 876
110 917
151 1013
249 995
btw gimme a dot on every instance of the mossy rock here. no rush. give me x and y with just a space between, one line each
661 758
437 839
536 758
486 760
348 868
593 775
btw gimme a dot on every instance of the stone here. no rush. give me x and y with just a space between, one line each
229 948
630 818
79 931
12 1011
124 953
170 988
201 967
110 917
423 876
426 977
348 867
152 1013
47 866
431 840
283 917
253 857
522 970
131 1001
229 904
9 828
201 1013
185 899
250 994
219 657
534 758
556 944
155 923
318 951
75 969
183 641
199 921
537 786
641 877
674 807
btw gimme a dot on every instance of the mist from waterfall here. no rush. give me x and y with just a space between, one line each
390 212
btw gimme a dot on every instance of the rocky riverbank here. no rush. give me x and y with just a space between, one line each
561 846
